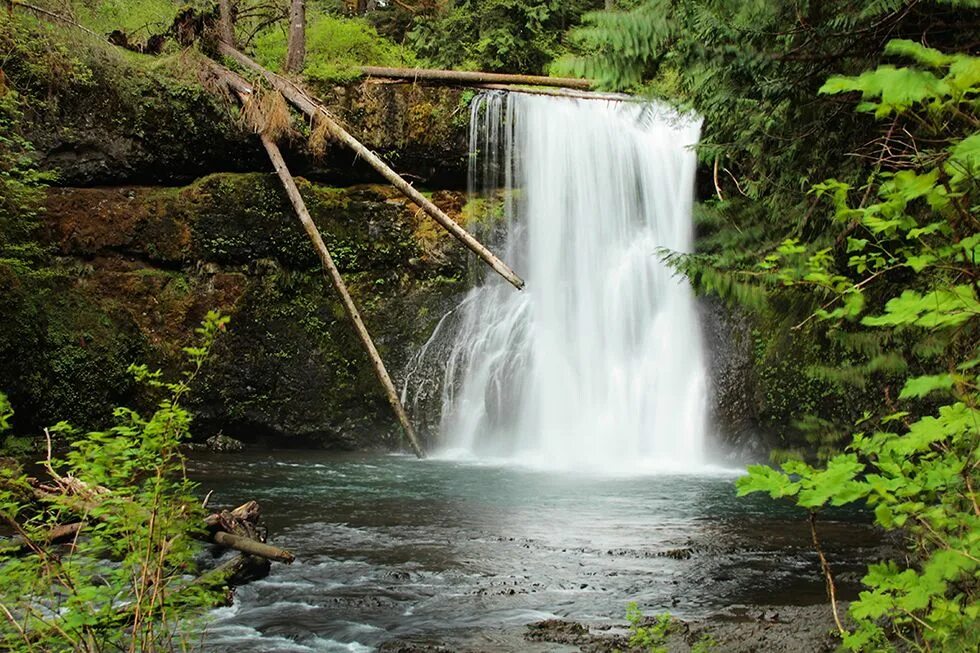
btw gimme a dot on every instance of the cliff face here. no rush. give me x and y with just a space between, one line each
151 261
163 207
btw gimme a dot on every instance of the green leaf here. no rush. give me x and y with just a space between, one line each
762 478
920 53
834 484
920 386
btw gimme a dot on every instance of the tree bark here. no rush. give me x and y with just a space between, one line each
253 547
296 51
226 27
333 274
302 101
470 77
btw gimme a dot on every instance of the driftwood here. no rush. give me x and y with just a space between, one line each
238 570
300 99
253 547
236 529
56 535
471 78
239 530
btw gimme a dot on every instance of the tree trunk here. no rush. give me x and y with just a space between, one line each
299 99
333 274
610 5
472 77
296 52
226 28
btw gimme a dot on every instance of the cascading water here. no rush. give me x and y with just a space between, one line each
598 364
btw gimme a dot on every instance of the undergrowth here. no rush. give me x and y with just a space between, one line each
335 47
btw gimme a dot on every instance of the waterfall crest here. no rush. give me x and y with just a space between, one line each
598 364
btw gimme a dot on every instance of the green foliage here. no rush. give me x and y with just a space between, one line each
753 71
650 638
334 48
137 19
21 185
499 35
910 273
126 583
6 412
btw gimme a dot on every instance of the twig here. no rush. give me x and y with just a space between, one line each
831 590
737 185
717 185
20 629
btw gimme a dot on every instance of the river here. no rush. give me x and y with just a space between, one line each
392 548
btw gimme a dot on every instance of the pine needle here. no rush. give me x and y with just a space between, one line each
320 138
267 114
277 116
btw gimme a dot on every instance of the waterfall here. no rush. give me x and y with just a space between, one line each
598 364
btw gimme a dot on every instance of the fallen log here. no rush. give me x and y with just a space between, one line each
253 547
561 92
471 78
300 99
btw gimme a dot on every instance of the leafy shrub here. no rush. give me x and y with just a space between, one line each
126 582
500 35
334 48
912 242
650 638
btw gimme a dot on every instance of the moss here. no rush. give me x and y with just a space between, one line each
791 392
64 353
99 114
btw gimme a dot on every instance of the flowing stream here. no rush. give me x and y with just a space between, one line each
598 364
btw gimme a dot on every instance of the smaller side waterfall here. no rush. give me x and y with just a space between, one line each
598 364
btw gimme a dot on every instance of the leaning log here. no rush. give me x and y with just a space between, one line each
253 547
471 78
300 99
333 274
245 93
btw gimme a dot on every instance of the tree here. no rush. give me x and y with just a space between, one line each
296 51
226 28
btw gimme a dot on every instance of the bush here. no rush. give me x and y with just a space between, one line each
912 238
126 582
